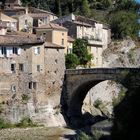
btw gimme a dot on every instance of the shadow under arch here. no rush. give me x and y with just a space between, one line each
74 111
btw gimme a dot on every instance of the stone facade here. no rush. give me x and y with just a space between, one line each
54 33
10 22
97 34
25 22
31 76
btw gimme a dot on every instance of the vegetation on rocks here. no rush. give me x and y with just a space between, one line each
25 122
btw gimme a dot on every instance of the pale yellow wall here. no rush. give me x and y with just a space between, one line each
57 37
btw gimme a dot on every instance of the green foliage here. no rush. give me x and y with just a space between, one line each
4 124
80 49
131 56
1 108
25 97
123 24
71 61
83 136
97 103
25 122
85 8
117 100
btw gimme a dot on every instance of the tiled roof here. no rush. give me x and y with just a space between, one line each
36 10
19 38
52 26
39 15
52 45
70 39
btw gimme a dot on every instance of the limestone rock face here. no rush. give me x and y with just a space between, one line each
102 97
124 53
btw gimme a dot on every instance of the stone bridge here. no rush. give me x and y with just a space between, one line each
78 82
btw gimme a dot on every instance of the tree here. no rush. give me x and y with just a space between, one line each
71 61
123 24
80 49
58 8
85 8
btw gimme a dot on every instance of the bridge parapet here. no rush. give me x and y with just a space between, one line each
100 71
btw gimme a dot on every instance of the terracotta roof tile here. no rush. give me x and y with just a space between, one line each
19 38
52 26
39 15
70 39
52 45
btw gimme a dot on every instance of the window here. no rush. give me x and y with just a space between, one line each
37 50
62 34
3 50
56 61
32 85
15 50
21 67
26 22
13 88
13 67
62 42
38 68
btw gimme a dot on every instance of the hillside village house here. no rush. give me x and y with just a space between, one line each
97 34
53 33
15 9
10 22
28 68
25 22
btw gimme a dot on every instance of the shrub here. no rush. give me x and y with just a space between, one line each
71 61
25 122
4 124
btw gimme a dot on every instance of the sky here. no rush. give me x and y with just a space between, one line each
138 1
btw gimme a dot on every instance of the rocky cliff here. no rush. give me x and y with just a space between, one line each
101 98
125 53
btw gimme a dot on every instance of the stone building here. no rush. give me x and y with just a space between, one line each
3 28
25 22
10 22
97 34
53 33
54 70
20 76
31 75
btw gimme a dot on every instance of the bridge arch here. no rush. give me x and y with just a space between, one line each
79 94
79 82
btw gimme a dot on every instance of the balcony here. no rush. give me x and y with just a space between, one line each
94 40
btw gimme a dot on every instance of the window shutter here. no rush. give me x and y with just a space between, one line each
19 51
8 52
36 51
